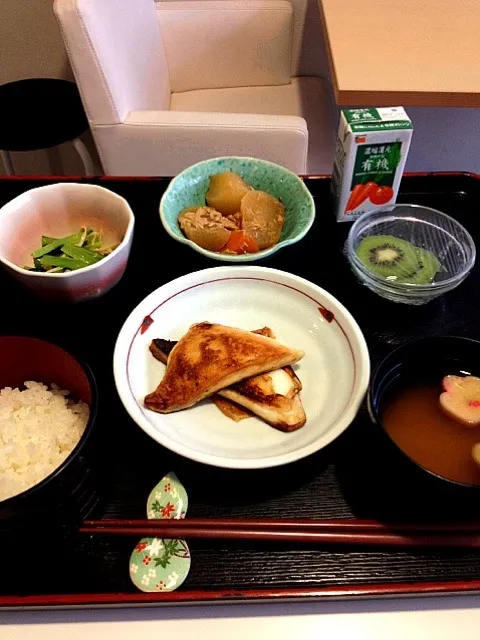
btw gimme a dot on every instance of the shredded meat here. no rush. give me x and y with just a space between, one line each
206 218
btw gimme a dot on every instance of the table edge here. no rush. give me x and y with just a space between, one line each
238 596
382 98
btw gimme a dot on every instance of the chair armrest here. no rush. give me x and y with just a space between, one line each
212 44
116 52
166 142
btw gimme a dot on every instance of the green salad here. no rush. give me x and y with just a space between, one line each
59 255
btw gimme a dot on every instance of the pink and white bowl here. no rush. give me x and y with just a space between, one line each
59 210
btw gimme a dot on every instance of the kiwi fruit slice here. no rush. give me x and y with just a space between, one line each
389 257
428 267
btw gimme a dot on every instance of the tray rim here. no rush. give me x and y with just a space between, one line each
237 596
306 176
240 596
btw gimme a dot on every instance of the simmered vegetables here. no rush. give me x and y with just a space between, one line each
262 218
237 219
59 255
207 227
226 191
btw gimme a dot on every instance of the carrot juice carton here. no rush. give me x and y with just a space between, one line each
372 147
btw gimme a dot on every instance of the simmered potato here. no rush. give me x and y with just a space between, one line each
226 191
206 227
262 218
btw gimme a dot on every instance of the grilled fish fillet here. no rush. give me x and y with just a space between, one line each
273 396
230 409
211 357
161 349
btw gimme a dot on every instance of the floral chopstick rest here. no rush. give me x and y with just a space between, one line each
158 565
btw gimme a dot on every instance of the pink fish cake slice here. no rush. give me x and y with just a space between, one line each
461 399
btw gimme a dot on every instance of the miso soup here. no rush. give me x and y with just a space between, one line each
413 419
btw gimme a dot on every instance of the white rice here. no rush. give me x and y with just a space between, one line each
39 427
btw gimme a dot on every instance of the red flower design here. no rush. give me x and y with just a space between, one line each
161 585
147 321
140 547
168 510
327 314
147 560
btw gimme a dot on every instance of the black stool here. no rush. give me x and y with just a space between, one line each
38 113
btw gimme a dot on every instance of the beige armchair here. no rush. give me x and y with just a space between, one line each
168 84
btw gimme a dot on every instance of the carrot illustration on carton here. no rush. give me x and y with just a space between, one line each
368 167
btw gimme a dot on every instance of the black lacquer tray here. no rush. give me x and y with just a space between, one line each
350 478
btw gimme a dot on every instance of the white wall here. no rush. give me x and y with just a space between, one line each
444 139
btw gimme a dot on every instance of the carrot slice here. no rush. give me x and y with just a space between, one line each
367 190
354 196
241 242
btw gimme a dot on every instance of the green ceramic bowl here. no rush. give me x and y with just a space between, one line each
189 188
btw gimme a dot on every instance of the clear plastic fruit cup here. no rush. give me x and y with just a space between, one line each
427 230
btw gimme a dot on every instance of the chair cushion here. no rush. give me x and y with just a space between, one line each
307 97
163 143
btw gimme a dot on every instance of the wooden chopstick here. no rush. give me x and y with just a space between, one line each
342 532
302 524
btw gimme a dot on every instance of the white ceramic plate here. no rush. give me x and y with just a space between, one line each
334 372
